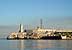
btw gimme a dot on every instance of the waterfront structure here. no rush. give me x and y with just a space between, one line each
40 33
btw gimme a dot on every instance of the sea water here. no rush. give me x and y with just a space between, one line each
35 44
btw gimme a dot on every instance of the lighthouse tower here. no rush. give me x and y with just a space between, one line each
21 28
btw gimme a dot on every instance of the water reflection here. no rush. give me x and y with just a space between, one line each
44 45
27 44
20 44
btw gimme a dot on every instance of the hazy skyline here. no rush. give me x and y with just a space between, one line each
29 12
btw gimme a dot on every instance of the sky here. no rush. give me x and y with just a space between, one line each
55 13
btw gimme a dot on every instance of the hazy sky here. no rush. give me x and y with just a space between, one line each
53 12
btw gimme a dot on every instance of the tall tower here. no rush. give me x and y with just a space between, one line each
41 22
21 28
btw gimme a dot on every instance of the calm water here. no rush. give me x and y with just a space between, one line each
35 44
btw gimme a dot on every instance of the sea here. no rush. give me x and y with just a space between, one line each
35 44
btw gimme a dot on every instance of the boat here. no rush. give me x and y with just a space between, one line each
63 37
21 35
17 35
12 36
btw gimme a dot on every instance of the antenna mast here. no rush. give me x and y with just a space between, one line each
41 22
